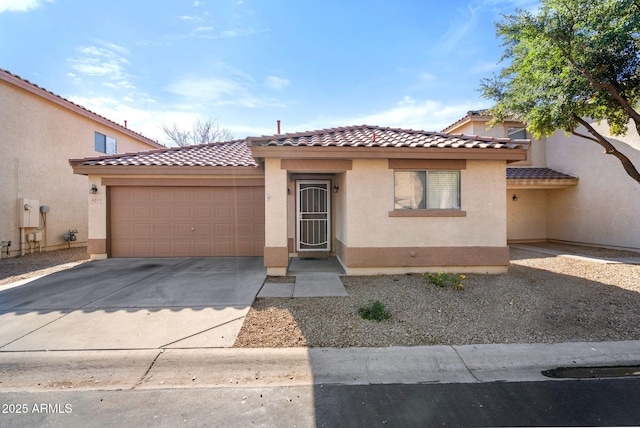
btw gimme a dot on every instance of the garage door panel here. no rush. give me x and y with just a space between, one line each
203 231
183 211
143 212
223 231
163 211
224 247
142 230
157 249
162 196
204 248
202 212
158 222
162 230
224 213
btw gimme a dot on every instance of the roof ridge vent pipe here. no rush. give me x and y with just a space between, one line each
278 121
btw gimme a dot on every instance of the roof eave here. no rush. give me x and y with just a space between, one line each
119 170
537 183
335 152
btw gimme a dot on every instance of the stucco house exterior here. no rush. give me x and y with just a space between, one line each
381 200
40 197
567 190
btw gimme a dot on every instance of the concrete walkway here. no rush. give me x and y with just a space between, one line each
625 260
320 284
313 278
259 367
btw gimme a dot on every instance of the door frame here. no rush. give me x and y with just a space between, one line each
299 218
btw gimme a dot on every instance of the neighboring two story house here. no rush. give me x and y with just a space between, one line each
41 200
567 189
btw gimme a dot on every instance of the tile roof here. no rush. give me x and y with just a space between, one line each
374 136
16 80
537 174
229 154
485 113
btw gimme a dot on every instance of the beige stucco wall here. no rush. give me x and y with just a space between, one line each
536 155
527 216
275 188
603 208
37 138
340 208
371 197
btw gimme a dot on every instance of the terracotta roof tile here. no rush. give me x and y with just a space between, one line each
537 174
374 136
230 154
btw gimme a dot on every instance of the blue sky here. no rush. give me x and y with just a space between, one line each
313 65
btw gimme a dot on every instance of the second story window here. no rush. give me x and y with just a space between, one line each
105 144
519 133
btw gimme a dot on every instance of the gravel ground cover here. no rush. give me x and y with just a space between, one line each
542 299
36 264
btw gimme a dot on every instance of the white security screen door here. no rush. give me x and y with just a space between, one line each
313 215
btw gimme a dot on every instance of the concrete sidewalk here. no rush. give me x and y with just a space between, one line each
259 367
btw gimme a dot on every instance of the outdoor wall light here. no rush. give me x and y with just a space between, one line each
94 189
335 189
514 197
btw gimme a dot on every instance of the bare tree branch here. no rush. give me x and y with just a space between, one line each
205 132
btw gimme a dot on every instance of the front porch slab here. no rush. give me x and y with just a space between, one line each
313 265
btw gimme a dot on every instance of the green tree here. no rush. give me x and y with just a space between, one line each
568 62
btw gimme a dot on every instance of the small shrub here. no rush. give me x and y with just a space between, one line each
374 311
442 279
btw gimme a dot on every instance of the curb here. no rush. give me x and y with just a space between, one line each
273 367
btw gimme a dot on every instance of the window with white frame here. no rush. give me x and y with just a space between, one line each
427 190
105 144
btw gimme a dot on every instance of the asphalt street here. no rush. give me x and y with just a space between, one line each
596 402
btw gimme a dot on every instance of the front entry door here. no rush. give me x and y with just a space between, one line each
313 215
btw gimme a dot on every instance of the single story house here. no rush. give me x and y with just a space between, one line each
381 200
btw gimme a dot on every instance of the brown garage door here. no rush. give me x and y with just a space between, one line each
186 221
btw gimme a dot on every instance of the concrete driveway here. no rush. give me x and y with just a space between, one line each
132 304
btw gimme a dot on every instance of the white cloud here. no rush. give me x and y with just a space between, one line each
276 83
236 91
428 115
21 5
107 62
427 77
147 122
464 22
212 89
